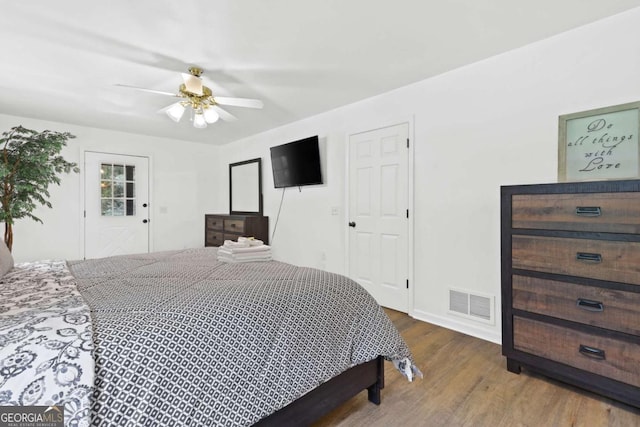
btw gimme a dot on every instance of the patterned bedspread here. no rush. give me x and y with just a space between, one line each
182 339
45 341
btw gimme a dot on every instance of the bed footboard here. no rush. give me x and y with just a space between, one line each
328 396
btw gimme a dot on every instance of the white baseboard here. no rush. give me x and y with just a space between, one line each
458 326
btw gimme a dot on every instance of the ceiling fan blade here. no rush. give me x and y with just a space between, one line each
224 115
147 90
192 83
239 102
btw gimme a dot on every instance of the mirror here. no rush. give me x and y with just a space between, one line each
245 187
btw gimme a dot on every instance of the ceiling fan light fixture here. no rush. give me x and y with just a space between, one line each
210 115
192 84
199 121
203 107
176 111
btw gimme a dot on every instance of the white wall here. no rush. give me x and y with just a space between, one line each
476 128
182 183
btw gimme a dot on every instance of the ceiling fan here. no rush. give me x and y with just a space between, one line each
205 107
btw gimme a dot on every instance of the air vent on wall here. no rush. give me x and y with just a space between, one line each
472 306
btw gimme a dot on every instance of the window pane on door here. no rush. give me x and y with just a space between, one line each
107 207
131 207
118 207
105 187
118 172
105 171
117 190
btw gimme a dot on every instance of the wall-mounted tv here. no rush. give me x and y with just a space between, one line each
297 163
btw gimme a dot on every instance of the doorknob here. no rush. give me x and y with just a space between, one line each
144 221
352 224
144 205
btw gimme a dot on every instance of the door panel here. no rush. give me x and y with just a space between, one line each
364 192
388 252
116 204
388 191
378 202
364 257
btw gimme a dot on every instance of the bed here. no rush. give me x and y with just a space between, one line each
179 338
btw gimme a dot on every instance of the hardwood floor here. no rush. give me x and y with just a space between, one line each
466 383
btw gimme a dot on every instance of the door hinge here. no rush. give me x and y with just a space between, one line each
407 213
407 283
407 142
85 214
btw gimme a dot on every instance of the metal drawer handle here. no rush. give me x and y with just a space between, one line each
592 352
587 257
590 305
588 211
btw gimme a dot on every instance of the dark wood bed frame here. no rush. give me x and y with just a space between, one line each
330 395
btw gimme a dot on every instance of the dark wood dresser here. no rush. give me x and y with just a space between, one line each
218 228
571 284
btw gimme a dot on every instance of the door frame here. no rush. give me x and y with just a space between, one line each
83 183
380 124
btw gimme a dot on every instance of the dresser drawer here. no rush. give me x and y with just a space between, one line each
214 222
219 227
604 308
214 238
616 359
234 225
217 238
597 212
599 259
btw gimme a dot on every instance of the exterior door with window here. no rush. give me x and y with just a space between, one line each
116 204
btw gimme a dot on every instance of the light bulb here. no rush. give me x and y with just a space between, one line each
210 115
175 111
199 121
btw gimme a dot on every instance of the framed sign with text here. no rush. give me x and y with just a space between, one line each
599 144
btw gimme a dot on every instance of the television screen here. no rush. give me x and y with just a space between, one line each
296 163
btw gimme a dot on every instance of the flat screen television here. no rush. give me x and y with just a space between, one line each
297 163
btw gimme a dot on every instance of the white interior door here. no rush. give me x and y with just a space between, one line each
378 214
116 195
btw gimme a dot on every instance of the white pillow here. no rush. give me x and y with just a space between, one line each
6 259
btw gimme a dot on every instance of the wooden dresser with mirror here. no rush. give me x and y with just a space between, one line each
245 207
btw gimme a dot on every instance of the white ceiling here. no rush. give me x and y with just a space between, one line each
62 59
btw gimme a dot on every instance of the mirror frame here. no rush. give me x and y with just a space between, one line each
259 184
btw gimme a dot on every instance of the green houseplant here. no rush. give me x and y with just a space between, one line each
30 161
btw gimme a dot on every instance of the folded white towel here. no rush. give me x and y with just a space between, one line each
252 241
232 244
235 261
246 249
250 249
249 255
254 258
